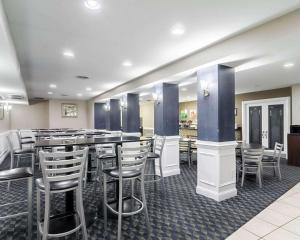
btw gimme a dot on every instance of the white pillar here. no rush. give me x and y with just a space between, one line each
170 157
216 169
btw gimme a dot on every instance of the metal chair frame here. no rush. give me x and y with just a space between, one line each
129 158
275 160
56 167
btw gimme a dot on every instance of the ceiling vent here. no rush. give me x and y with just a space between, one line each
82 77
64 95
16 97
38 98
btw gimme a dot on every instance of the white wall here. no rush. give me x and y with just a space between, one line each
296 104
57 121
30 116
147 114
5 123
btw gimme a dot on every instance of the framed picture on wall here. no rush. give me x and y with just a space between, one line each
69 110
1 111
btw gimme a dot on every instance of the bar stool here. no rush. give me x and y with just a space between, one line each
131 166
15 175
156 156
62 172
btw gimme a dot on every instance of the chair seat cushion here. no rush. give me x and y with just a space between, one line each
125 174
24 151
107 155
152 155
15 173
268 159
56 186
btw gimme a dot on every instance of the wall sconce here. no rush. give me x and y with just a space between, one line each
205 89
107 107
123 103
8 107
156 98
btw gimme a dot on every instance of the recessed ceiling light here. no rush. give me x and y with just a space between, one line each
69 53
53 86
127 63
289 65
79 94
92 4
178 30
50 93
88 89
183 89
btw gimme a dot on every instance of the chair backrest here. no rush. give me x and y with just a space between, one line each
159 143
252 155
102 149
63 166
132 158
277 151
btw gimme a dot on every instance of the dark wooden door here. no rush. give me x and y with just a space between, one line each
275 113
255 124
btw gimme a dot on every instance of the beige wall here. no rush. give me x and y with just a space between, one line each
5 123
30 116
147 114
296 104
191 105
57 121
275 93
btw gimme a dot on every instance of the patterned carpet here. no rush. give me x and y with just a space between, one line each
181 214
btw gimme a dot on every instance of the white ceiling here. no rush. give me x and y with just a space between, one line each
133 30
10 78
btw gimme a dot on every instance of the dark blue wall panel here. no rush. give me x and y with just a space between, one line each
216 111
166 110
131 113
113 117
99 116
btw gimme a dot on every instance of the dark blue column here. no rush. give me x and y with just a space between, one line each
216 96
113 115
131 113
99 116
166 110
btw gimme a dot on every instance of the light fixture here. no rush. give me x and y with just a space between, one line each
53 86
288 65
123 103
107 106
79 94
204 86
127 63
88 89
92 4
155 96
50 93
178 30
69 54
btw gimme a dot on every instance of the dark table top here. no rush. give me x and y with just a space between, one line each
87 141
65 134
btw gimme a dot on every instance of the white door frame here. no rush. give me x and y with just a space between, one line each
271 101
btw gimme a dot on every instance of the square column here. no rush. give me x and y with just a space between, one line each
166 123
99 116
131 113
216 163
113 115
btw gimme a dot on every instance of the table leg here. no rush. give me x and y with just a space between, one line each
69 200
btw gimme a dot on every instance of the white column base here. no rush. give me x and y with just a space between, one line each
170 157
216 169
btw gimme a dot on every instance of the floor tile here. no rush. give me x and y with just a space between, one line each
291 201
281 234
293 226
259 227
274 217
285 209
242 234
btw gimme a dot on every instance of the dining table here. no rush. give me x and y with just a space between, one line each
86 141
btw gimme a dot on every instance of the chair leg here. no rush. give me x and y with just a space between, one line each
38 212
33 162
12 159
279 172
120 207
81 212
29 203
145 203
162 176
104 203
47 215
243 176
259 175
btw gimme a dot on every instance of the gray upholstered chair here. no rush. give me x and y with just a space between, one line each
274 161
131 166
62 172
251 163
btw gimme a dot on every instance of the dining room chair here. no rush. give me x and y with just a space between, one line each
62 172
252 163
274 161
154 157
130 167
